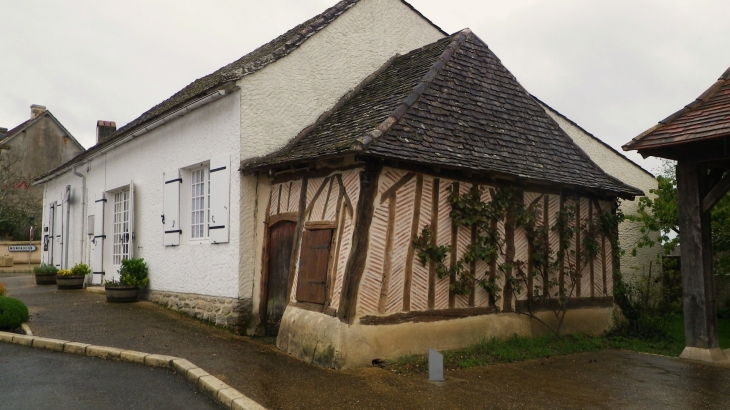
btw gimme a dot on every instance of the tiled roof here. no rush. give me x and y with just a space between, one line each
20 127
451 104
706 117
246 65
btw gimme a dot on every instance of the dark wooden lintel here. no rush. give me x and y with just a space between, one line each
573 303
426 316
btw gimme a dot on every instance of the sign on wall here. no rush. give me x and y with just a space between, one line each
22 248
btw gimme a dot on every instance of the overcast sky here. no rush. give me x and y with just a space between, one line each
614 67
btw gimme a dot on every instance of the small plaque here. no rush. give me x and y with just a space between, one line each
22 248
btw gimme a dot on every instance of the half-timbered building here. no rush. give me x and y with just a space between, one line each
342 280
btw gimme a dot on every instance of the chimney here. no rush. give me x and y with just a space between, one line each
104 129
3 132
36 110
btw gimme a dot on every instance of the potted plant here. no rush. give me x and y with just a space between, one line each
45 274
133 275
73 278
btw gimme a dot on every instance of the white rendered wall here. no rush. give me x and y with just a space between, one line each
192 267
290 94
628 172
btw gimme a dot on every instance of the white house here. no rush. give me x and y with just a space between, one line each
166 186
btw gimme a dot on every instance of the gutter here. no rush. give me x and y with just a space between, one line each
66 241
139 131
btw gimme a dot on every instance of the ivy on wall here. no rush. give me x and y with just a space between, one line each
556 268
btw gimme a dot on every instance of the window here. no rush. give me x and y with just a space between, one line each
120 249
200 205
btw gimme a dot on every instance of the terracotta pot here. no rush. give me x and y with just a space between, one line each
45 278
70 282
121 294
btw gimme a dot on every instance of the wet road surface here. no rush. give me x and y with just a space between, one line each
605 380
40 379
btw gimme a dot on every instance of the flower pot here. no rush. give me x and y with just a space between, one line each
121 294
45 278
70 282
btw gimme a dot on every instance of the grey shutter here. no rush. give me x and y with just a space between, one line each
218 226
171 208
97 245
130 228
57 234
49 237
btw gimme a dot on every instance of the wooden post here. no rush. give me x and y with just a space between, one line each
700 316
360 242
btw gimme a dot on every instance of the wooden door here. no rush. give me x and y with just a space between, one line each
281 240
312 283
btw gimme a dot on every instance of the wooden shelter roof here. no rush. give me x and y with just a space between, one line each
450 104
706 118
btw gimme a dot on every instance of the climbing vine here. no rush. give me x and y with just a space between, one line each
556 269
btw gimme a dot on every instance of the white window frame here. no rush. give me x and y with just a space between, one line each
199 191
120 211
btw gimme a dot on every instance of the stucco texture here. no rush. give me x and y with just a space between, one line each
291 93
328 342
628 172
193 267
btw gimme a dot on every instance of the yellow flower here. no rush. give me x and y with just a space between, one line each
64 272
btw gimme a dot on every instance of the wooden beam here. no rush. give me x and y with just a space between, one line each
434 241
395 187
408 275
716 193
698 281
388 257
590 262
360 242
578 268
454 251
298 238
426 316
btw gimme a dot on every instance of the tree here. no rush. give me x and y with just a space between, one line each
659 219
17 204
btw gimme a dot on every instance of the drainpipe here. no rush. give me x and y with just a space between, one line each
83 212
68 216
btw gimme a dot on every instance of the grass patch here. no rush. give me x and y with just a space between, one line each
518 348
493 351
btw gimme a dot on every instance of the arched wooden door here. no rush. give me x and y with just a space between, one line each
281 241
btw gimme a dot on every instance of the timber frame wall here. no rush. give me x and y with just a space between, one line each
392 286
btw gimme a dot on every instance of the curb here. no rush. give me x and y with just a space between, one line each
224 394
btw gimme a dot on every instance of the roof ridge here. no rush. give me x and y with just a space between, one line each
361 143
698 102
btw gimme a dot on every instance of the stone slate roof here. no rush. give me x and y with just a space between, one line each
707 117
450 104
20 127
246 65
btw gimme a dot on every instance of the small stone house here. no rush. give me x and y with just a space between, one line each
38 144
347 197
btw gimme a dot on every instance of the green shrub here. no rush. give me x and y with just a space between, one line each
13 313
43 268
642 315
134 272
81 269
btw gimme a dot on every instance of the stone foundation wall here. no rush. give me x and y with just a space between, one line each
226 312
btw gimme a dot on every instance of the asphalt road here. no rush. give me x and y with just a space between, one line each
40 379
